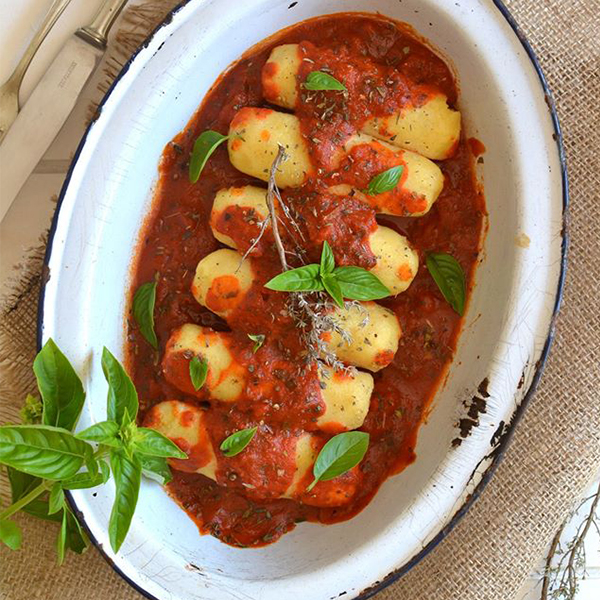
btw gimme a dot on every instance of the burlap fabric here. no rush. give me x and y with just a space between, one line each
556 449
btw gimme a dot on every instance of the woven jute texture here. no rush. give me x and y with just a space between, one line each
556 449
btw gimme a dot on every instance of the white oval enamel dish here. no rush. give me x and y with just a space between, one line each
505 339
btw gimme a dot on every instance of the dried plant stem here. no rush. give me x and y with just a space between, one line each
562 582
271 192
312 312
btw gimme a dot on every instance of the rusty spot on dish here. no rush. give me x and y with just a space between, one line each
475 407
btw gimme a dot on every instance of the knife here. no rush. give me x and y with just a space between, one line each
51 102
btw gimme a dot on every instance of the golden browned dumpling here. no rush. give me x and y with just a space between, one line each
279 75
375 332
420 185
431 129
397 261
347 397
225 379
184 425
221 281
255 136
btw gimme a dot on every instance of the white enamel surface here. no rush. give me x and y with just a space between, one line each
506 325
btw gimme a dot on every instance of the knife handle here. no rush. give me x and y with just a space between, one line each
96 33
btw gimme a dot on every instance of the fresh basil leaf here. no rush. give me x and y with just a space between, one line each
104 470
56 500
258 340
327 260
237 441
302 279
204 146
104 432
143 311
333 289
21 484
77 541
450 278
340 454
40 509
85 480
317 80
127 472
153 443
385 181
360 284
61 388
198 372
32 411
155 468
61 540
43 451
10 534
122 396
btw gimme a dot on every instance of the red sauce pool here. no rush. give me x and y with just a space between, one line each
177 235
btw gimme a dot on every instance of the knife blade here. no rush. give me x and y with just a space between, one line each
51 102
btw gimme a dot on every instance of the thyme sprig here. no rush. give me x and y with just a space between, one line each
561 582
311 312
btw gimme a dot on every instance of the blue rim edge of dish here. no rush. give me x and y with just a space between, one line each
498 451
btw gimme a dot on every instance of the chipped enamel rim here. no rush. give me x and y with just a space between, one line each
50 300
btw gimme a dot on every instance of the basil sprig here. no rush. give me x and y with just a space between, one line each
385 181
237 441
318 80
450 279
258 339
354 283
340 454
143 311
45 459
198 372
204 146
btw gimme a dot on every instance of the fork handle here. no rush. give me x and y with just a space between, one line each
52 16
96 33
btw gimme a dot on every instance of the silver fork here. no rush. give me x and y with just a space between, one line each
9 92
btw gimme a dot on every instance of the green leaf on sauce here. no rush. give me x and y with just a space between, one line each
327 260
333 288
360 284
198 372
340 454
302 279
143 311
204 146
385 181
237 441
258 339
317 80
450 278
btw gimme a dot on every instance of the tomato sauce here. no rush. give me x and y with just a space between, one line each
281 396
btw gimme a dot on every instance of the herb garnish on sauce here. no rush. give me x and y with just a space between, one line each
350 282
